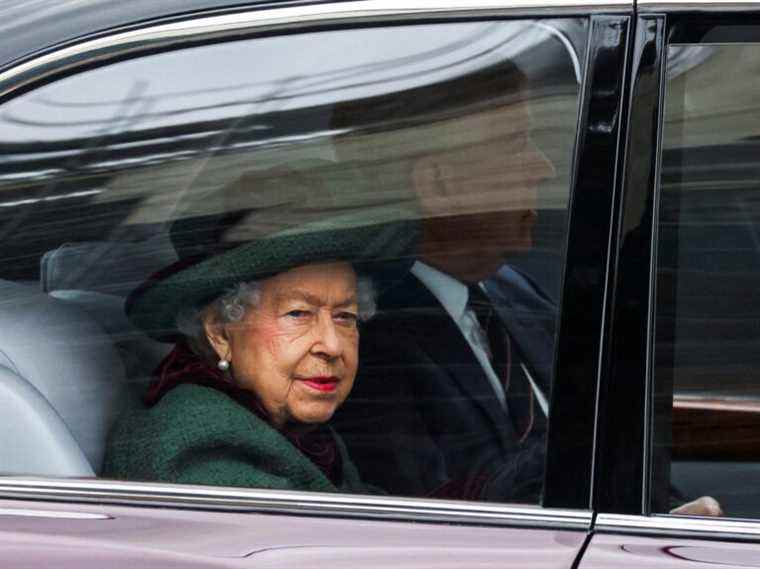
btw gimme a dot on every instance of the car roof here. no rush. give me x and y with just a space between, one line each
32 26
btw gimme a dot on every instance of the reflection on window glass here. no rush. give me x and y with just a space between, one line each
334 268
707 372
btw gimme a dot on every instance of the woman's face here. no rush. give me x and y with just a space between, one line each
297 349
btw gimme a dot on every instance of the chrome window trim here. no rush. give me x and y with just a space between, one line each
678 526
165 36
645 6
50 514
292 502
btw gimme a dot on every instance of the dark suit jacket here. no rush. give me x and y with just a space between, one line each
423 413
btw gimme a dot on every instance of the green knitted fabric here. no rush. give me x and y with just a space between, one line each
198 435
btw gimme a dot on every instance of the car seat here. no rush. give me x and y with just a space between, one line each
60 383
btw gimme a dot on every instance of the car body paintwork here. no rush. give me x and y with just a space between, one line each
72 535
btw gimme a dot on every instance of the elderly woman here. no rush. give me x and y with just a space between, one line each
267 351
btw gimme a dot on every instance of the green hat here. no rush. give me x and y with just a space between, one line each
237 235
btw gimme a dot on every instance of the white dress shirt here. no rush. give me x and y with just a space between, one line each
453 296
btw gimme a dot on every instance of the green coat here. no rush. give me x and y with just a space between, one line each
198 435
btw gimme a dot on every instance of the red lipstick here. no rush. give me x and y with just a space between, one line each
322 383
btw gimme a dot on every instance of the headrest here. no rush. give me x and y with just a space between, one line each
111 267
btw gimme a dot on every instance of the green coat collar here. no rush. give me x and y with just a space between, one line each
198 435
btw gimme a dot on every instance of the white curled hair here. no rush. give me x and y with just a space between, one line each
232 306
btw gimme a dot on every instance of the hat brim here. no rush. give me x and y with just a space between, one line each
382 251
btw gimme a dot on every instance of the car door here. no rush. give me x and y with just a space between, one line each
105 134
681 395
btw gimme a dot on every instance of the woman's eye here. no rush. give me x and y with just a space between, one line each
298 314
348 317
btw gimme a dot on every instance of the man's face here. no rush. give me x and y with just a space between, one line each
479 199
297 349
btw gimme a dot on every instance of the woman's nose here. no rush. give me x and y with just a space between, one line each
327 341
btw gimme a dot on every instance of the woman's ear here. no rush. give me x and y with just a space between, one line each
216 334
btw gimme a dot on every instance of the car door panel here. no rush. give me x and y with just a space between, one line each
91 535
657 552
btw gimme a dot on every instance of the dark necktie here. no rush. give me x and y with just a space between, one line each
505 361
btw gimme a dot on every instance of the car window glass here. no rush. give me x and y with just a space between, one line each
707 406
320 261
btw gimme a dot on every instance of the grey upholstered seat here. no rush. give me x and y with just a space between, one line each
67 352
97 276
35 438
139 354
61 380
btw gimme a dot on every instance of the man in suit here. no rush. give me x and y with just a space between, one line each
443 406
451 400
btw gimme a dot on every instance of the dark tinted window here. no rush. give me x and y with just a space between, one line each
464 130
708 275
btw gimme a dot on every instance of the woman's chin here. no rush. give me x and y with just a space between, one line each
314 414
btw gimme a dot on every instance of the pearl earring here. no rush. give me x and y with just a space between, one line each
223 365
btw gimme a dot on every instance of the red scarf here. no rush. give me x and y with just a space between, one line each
182 366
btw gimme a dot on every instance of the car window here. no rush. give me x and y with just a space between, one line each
707 407
321 261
